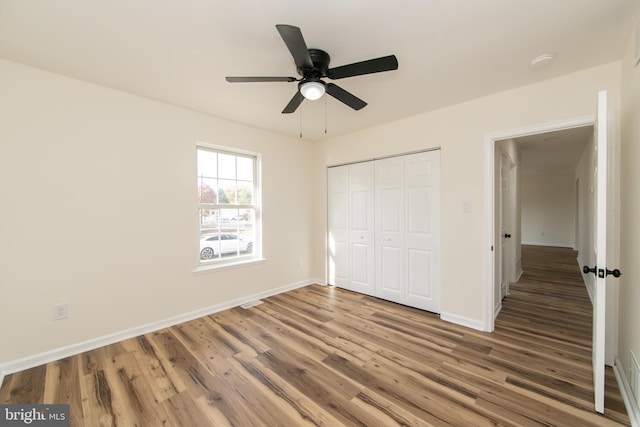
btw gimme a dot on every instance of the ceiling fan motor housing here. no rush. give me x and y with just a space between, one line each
320 60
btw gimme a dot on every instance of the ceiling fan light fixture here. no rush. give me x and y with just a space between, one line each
312 90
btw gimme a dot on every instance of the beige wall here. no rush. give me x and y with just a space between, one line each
629 285
98 210
461 131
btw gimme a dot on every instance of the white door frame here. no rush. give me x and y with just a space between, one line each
490 196
506 225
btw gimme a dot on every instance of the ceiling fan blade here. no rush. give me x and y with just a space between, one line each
294 103
292 37
343 96
259 79
377 65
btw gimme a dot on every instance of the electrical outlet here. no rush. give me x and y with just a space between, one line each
299 262
60 311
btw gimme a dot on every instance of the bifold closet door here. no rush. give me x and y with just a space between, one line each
351 227
407 241
384 228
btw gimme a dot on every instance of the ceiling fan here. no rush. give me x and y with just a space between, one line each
313 66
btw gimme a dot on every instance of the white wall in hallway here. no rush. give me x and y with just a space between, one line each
548 209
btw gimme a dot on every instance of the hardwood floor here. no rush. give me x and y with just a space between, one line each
328 357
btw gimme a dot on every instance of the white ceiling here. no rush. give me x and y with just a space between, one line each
179 52
556 152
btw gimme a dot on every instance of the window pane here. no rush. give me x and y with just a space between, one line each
245 169
207 164
206 190
209 221
225 233
227 192
226 166
228 214
245 193
210 247
247 229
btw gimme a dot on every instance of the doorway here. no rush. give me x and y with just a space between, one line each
538 140
598 171
541 153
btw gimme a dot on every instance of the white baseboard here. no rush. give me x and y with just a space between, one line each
579 260
519 275
497 310
627 395
73 349
553 245
463 321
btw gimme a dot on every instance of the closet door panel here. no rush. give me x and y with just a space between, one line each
338 215
422 233
418 212
389 240
360 265
390 285
338 266
389 211
358 213
420 284
361 228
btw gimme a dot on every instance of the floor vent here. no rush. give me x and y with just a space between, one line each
251 304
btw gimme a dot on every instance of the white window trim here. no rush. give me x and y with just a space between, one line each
229 265
242 261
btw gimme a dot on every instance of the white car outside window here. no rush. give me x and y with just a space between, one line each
217 244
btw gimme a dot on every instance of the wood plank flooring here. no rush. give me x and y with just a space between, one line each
328 357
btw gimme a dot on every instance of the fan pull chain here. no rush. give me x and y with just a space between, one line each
300 123
325 114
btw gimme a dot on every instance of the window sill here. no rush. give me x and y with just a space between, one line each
209 268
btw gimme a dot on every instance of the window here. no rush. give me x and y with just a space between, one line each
228 205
